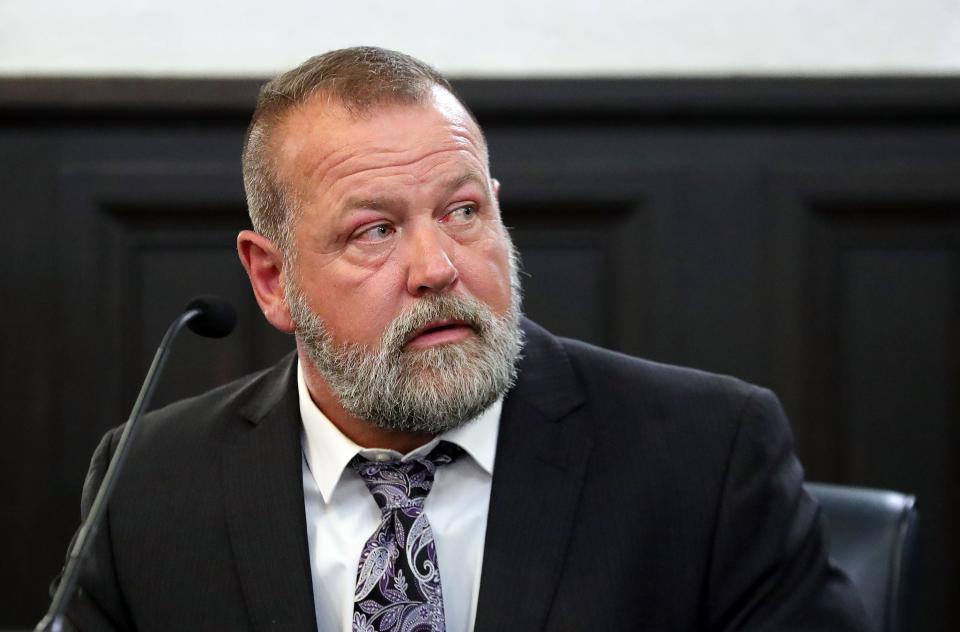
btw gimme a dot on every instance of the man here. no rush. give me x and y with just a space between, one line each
408 468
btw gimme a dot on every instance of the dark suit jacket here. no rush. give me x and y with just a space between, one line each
627 496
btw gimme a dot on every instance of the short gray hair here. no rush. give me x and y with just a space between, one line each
357 79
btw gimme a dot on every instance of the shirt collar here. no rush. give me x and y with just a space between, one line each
328 451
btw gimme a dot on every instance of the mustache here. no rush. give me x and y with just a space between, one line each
433 308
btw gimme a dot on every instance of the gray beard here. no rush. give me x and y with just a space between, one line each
418 390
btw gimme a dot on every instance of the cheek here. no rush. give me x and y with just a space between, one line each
488 275
356 303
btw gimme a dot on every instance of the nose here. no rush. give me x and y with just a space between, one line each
430 268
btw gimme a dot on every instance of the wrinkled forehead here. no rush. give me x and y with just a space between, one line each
317 133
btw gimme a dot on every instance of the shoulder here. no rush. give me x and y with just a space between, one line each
636 381
632 399
222 400
603 366
197 420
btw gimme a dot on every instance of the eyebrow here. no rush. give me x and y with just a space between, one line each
467 176
382 202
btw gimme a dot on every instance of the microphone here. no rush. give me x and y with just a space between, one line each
207 316
217 317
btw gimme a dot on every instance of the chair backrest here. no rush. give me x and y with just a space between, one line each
872 536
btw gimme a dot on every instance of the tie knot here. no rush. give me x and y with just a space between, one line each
404 484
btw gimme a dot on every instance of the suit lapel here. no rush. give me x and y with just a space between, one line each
542 452
263 492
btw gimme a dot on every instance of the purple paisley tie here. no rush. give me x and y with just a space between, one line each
398 579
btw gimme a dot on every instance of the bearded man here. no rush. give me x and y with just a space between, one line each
427 459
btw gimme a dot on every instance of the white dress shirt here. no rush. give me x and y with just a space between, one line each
342 514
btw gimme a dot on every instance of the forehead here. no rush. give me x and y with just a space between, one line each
320 140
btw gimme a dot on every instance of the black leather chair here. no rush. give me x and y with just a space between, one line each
872 536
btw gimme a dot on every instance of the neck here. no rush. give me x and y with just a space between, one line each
361 432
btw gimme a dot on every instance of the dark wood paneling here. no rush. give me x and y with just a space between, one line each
803 234
870 300
599 100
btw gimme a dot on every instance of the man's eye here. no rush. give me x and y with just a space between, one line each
461 215
375 234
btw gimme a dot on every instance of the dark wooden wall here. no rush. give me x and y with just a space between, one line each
802 234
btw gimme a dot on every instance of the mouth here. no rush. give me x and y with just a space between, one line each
439 332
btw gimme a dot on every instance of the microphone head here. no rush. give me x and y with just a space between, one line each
216 319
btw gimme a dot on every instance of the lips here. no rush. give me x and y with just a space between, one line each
440 332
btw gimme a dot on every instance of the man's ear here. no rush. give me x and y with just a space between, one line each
263 262
496 188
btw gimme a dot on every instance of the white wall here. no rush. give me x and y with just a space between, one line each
484 38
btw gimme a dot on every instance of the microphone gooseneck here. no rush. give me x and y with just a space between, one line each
207 316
